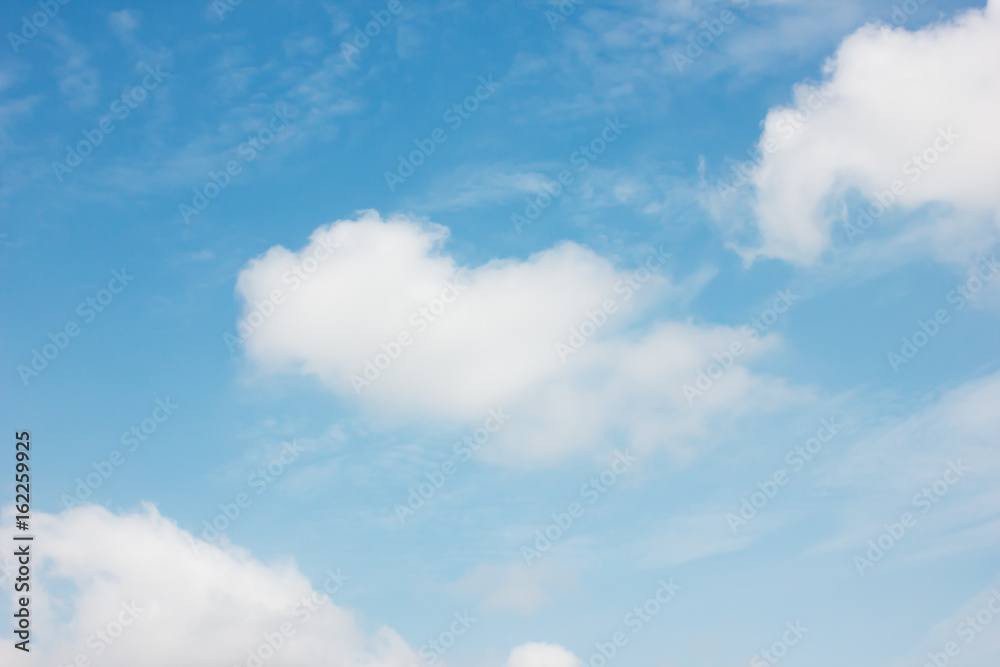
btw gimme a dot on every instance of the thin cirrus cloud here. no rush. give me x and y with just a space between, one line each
912 107
516 586
79 81
969 640
891 466
506 341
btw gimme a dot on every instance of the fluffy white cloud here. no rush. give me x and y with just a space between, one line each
377 311
541 655
131 590
913 107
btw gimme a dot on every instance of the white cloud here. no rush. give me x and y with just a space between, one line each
79 81
469 187
195 609
495 345
408 40
891 95
124 23
541 655
303 44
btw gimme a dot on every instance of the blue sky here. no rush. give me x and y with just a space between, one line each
592 210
